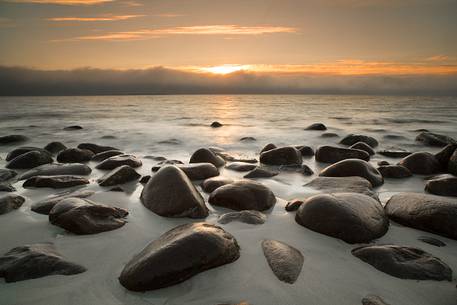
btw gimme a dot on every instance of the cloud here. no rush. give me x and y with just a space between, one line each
62 2
438 58
160 80
91 19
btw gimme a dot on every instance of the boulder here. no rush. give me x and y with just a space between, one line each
452 165
12 139
246 216
268 147
443 186
7 187
204 155
293 205
10 202
331 154
74 155
431 241
24 149
35 261
445 154
241 166
216 124
145 179
363 146
170 193
383 163
178 255
343 185
354 138
329 135
421 163
434 139
82 216
106 154
303 169
435 214
116 161
259 172
281 156
394 153
210 184
6 174
29 160
45 206
306 151
352 217
199 171
316 126
285 261
96 149
394 171
55 147
55 182
354 167
74 169
404 262
73 127
119 175
243 195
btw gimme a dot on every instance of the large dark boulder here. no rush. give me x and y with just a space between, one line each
45 206
204 155
404 262
116 161
246 216
421 163
82 216
281 156
331 154
35 261
316 126
394 171
29 160
199 171
106 154
443 186
354 138
55 182
306 151
243 195
170 193
74 169
363 146
268 147
445 154
342 185
119 175
434 139
435 214
178 255
95 148
6 174
210 184
55 147
10 202
74 155
354 167
285 261
352 217
24 149
12 139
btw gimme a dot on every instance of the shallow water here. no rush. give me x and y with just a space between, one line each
174 127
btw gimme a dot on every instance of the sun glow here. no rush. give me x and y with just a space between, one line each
225 69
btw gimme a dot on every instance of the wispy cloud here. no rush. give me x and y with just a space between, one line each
99 18
438 58
62 2
169 15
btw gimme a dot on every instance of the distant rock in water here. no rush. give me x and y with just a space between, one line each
119 175
45 206
434 139
199 171
119 160
363 146
281 156
329 135
74 155
404 262
95 148
316 126
354 167
12 139
394 171
246 216
9 203
443 186
285 261
248 139
421 163
55 182
216 124
35 261
73 127
75 169
204 155
394 154
241 166
25 149
431 241
106 154
354 138
210 184
331 154
55 147
162 263
29 160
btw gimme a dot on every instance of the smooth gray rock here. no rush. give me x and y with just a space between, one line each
204 155
45 206
354 167
55 147
351 139
24 149
260 173
74 169
29 160
431 241
10 202
56 182
73 127
6 174
210 184
268 147
199 171
74 155
119 175
331 154
394 171
116 161
343 185
7 187
246 216
421 163
443 186
241 166
106 154
281 156
434 139
363 146
95 148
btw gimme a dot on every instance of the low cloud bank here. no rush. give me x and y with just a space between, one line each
159 80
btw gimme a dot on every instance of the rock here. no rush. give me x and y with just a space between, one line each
55 147
74 155
429 213
116 161
452 165
145 179
96 149
293 205
260 173
248 139
106 154
383 163
421 163
373 300
352 217
434 139
12 139
29 160
363 146
306 151
82 216
170 193
35 261
204 155
169 142
119 175
243 195
330 154
235 158
354 138
394 154
431 241
354 167
246 216
74 169
445 154
45 206
9 203
404 262
210 184
25 149
178 255
394 171
343 185
301 169
281 156
116 189
7 187
285 261
329 135
443 186
73 127
6 174
216 124
199 171
165 162
240 166
268 147
55 182
316 126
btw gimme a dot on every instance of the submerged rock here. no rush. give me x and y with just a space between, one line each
306 151
373 300
10 202
73 127
210 184
95 148
354 167
434 139
445 154
7 187
329 135
293 205
443 186
199 171
170 193
268 147
394 171
246 216
45 206
431 241
331 154
74 169
29 160
241 166
343 185
394 153
352 217
260 173
119 175
6 174
120 160
363 146
55 182
421 163
216 124
316 126
354 138
303 169
55 147
404 262
281 156
106 154
285 261
12 139
204 155
178 255
248 139
35 261
25 149
74 155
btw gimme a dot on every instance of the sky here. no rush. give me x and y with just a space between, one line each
248 46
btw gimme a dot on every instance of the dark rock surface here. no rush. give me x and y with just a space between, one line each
248 139
116 161
95 148
354 138
246 216
119 175
293 205
145 179
29 160
73 127
373 300
74 169
199 171
306 151
241 166
329 135
10 202
12 139
331 154
452 165
443 186
7 187
204 155
74 155
281 156
6 174
268 147
45 206
55 147
431 241
363 146
303 169
421 163
434 139
24 149
394 153
316 126
259 172
56 182
216 124
445 154
210 184
106 154
343 185
394 171
354 167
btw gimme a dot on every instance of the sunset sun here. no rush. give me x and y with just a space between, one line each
225 69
